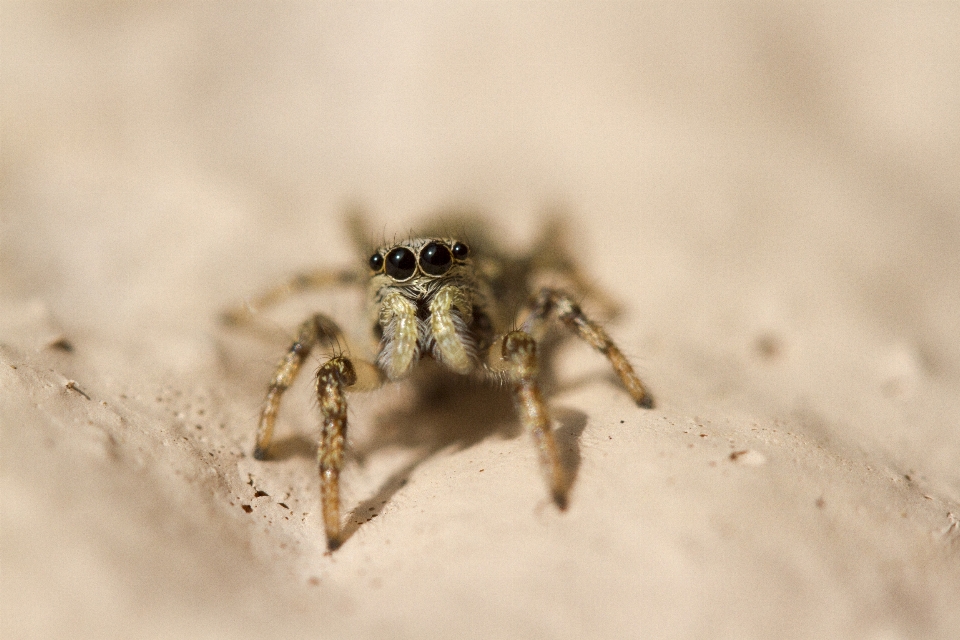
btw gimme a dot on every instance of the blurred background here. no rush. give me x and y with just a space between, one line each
200 143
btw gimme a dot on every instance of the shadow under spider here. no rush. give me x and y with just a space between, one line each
455 412
448 412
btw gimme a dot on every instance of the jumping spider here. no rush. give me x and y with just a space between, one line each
437 297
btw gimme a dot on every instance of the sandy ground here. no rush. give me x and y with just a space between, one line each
771 192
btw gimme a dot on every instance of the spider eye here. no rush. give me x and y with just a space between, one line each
376 262
401 263
461 250
435 259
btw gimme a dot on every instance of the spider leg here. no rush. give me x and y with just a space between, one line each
518 359
570 314
552 255
332 377
309 280
317 329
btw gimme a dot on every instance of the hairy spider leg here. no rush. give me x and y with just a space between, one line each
569 313
318 329
518 352
551 254
332 377
336 375
306 281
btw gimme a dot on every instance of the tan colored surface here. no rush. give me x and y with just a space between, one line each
772 193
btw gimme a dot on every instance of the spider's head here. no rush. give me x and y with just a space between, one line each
424 298
419 261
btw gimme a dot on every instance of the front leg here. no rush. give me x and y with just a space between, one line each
570 314
518 351
332 377
317 329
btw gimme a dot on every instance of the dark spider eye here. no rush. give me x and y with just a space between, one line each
376 262
461 250
435 259
401 263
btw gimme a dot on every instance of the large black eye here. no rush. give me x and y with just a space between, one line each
435 259
401 263
461 250
376 262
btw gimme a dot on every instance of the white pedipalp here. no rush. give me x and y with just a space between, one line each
400 347
451 342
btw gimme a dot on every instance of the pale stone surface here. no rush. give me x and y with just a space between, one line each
771 192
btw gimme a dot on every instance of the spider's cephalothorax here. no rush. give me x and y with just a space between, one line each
432 297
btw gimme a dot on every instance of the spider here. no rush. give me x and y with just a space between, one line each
463 303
